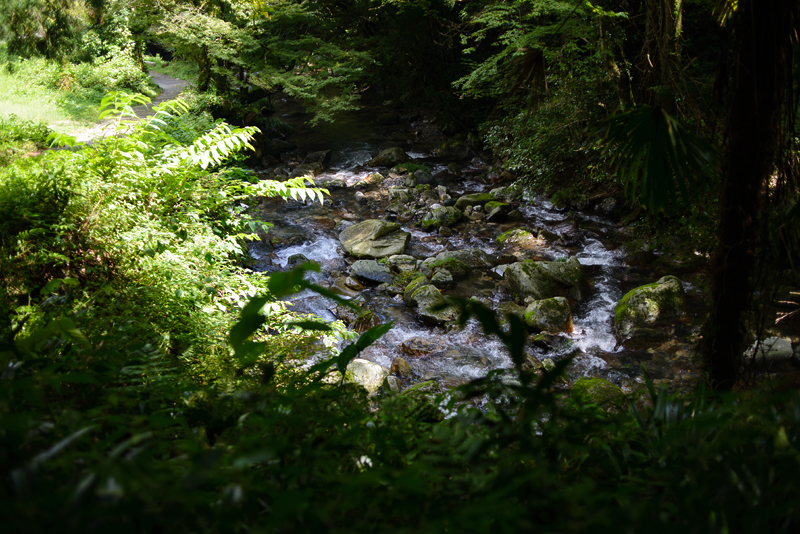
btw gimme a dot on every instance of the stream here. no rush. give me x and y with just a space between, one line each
459 355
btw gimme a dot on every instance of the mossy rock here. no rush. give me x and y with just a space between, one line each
421 188
551 315
406 277
495 204
647 305
589 390
474 199
415 283
544 280
456 267
517 237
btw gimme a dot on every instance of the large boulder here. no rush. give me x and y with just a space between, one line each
645 306
374 238
367 374
444 216
551 315
547 279
772 349
389 158
372 271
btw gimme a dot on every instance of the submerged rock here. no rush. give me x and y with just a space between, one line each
374 238
547 279
367 374
645 306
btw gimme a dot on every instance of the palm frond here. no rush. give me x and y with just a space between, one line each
657 157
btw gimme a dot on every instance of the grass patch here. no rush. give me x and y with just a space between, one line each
184 70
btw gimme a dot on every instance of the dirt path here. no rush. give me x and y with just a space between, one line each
170 89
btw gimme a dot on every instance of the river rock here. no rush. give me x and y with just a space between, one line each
367 374
546 279
321 156
419 346
372 271
443 279
389 158
644 306
772 349
400 195
392 384
475 199
454 169
519 237
296 259
429 301
402 263
423 177
588 390
374 178
336 183
505 193
474 258
374 238
307 169
410 181
497 214
551 315
454 149
457 268
442 216
412 286
400 367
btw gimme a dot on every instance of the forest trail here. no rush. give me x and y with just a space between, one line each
171 88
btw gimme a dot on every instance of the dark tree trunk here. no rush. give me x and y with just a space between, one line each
763 35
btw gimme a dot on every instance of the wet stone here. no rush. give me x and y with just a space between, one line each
419 346
442 279
371 271
400 367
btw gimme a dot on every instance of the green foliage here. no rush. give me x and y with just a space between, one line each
656 156
111 437
43 27
411 168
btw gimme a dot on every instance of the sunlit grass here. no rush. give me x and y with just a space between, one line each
60 110
183 70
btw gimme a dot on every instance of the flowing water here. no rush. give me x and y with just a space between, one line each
310 230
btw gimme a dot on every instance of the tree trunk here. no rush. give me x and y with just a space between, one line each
764 37
612 57
659 61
